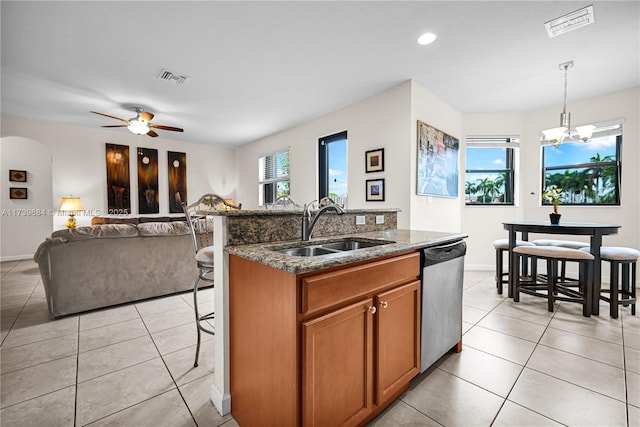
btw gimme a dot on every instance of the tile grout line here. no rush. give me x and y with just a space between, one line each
75 397
20 312
624 364
167 368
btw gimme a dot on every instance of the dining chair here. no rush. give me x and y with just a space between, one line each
553 288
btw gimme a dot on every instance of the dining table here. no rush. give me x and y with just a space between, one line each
594 230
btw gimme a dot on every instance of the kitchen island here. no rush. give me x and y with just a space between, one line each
325 340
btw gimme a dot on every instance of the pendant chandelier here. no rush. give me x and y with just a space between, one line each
557 136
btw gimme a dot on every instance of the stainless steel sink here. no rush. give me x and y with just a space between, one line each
305 251
351 245
337 247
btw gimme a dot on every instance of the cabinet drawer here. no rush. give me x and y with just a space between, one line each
329 289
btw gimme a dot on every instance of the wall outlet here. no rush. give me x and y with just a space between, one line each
360 220
379 219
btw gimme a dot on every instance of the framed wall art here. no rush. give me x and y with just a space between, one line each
18 193
374 160
148 197
375 190
437 171
17 175
177 167
118 183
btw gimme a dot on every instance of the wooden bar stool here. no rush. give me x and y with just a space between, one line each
621 292
555 289
502 246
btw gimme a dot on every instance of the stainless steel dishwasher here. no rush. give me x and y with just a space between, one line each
442 274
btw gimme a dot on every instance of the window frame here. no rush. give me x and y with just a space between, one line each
323 161
610 128
508 142
263 181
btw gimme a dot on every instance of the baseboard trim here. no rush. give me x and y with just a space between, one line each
16 257
222 402
479 267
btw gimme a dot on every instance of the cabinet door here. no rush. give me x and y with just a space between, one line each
398 338
337 353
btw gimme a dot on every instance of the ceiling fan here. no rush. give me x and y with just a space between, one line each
141 124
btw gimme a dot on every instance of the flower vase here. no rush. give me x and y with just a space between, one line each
554 218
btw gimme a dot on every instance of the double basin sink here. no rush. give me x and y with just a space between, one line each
340 246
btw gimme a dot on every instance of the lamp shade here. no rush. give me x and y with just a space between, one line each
70 204
555 134
585 132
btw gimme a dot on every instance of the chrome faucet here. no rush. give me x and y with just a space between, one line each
308 223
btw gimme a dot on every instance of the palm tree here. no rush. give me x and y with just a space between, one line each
597 173
470 189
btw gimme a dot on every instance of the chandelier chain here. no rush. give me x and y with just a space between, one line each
564 105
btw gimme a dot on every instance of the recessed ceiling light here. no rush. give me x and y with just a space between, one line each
427 38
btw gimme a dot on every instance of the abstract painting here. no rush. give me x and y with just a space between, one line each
118 184
437 162
177 170
148 198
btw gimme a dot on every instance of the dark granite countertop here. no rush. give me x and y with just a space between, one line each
275 211
405 240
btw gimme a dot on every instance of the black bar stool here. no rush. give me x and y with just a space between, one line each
555 289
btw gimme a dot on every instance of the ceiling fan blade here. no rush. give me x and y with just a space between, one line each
115 126
152 133
166 127
146 116
113 117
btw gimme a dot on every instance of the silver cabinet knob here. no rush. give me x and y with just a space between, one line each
384 304
372 310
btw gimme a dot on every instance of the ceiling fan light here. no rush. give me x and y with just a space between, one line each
138 127
585 132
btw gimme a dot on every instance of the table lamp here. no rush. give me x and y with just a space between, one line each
72 205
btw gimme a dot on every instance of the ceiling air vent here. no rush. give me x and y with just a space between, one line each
570 21
172 77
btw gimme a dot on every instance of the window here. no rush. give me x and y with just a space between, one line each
274 177
588 173
332 167
489 172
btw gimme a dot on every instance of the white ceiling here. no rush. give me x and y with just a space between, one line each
257 68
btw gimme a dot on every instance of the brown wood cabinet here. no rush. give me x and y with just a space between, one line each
333 347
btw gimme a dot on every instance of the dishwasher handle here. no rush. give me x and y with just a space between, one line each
438 254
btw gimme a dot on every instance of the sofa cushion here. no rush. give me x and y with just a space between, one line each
99 220
104 231
175 228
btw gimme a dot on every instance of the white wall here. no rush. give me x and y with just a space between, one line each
431 212
381 121
483 224
79 168
33 214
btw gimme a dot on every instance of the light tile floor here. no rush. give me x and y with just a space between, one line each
133 365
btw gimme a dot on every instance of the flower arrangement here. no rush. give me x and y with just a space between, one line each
553 195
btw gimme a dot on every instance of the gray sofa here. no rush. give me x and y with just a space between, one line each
113 263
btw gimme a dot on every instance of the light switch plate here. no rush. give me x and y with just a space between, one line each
360 219
379 219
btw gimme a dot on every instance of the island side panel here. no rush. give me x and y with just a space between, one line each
263 345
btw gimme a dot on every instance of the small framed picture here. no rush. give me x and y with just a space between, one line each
374 160
17 193
375 190
17 176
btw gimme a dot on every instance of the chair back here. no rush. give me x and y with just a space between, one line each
201 225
